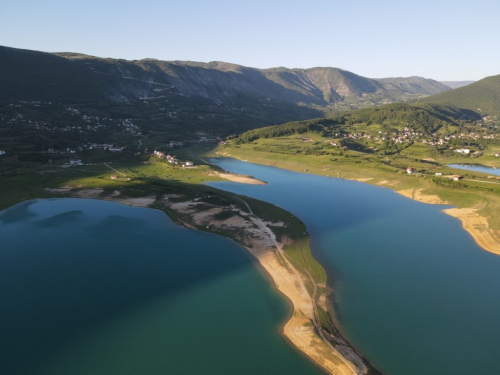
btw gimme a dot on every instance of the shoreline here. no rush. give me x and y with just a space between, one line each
477 226
260 241
473 223
301 329
242 179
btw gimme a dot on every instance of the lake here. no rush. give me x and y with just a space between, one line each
96 287
476 168
412 291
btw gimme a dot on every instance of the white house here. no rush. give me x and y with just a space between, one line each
409 170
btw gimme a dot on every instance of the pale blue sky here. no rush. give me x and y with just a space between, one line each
440 39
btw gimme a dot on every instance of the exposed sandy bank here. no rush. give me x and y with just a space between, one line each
478 228
388 183
475 224
416 194
241 179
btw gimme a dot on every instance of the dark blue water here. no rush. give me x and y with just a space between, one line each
93 287
413 292
476 168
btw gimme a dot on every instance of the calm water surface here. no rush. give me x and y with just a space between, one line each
476 168
93 287
413 292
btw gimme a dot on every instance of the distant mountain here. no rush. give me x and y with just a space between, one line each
482 96
323 85
414 85
456 84
31 75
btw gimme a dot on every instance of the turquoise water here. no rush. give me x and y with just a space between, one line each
476 168
93 287
413 292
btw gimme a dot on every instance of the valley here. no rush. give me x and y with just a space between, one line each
145 132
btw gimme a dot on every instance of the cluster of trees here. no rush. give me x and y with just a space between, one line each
290 128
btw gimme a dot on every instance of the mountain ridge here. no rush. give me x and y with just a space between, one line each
122 80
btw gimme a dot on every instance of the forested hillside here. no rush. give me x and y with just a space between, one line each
482 96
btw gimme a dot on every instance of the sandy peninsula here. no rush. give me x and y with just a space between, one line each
255 235
258 238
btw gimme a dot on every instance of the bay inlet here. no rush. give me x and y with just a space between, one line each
412 291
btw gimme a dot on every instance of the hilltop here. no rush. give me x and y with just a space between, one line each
414 85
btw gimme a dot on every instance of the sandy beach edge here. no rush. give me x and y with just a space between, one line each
260 241
475 224
298 329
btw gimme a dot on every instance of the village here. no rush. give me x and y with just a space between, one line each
407 135
82 124
475 137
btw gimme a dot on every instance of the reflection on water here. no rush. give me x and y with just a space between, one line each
95 287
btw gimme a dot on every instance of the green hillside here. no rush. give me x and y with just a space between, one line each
423 118
482 96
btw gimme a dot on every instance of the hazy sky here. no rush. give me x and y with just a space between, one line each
440 39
